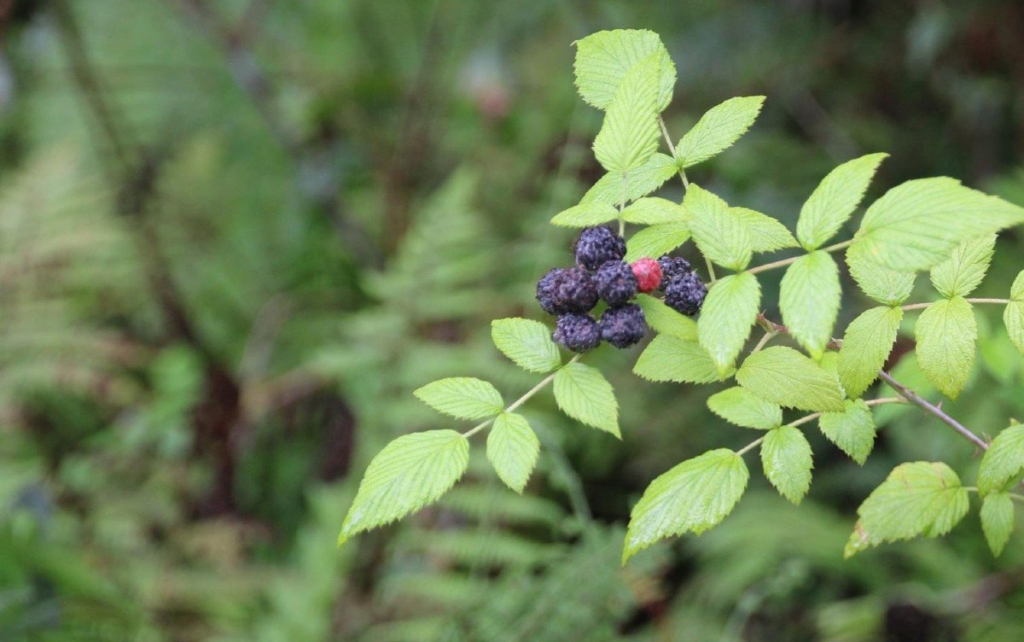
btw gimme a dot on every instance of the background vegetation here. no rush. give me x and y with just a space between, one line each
235 236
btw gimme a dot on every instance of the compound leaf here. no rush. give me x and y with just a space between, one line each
527 343
965 268
462 397
997 521
866 346
670 358
586 215
718 129
603 60
741 407
787 462
833 201
584 394
728 314
784 376
946 333
852 430
1003 462
717 230
512 449
809 299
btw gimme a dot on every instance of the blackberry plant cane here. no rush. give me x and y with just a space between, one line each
933 225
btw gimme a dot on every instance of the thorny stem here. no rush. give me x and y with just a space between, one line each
921 306
520 401
768 336
793 259
928 407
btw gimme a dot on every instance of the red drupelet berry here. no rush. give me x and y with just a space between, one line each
648 274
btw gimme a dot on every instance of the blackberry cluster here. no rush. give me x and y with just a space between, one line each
600 272
684 291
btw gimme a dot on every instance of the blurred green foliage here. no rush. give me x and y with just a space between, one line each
235 236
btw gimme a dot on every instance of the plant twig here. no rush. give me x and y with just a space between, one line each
672 150
793 259
932 409
921 306
752 445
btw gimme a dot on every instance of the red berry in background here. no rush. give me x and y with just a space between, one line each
648 274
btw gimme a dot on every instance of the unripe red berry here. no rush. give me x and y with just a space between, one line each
648 274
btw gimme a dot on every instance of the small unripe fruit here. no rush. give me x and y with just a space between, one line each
647 273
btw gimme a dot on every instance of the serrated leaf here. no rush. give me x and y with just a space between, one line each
629 135
655 211
852 430
866 346
946 334
809 298
462 397
833 201
1013 319
411 472
728 314
665 320
997 520
669 358
741 407
513 448
890 287
965 268
692 497
787 462
584 394
1017 289
719 232
766 233
718 129
639 182
916 225
917 499
656 240
586 215
603 60
1003 462
527 343
784 376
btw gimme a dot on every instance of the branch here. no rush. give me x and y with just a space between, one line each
932 409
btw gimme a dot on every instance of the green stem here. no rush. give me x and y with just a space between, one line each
921 306
793 259
672 149
1015 497
768 336
752 445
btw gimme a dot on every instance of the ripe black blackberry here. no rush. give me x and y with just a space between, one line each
598 245
616 283
671 267
577 332
685 293
623 327
564 290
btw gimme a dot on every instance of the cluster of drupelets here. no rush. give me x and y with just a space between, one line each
601 274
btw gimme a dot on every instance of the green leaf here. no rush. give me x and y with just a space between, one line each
586 215
766 233
1013 315
656 240
639 182
584 394
833 201
997 520
629 135
665 320
462 397
1003 462
411 472
852 430
669 358
718 231
1017 289
603 60
655 211
809 299
786 458
946 333
727 316
917 499
692 497
890 287
718 129
916 225
866 346
741 407
512 448
527 343
784 376
963 271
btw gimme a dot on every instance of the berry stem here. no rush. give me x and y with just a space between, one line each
921 306
793 259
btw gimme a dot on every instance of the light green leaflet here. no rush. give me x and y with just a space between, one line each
586 215
852 430
603 60
866 346
584 394
833 201
527 343
655 211
916 225
411 472
1003 463
963 271
766 233
917 499
669 358
783 376
946 334
656 240
640 182
513 448
741 407
1013 315
719 232
997 521
809 299
629 135
787 462
692 497
462 397
890 287
665 320
729 313
718 129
